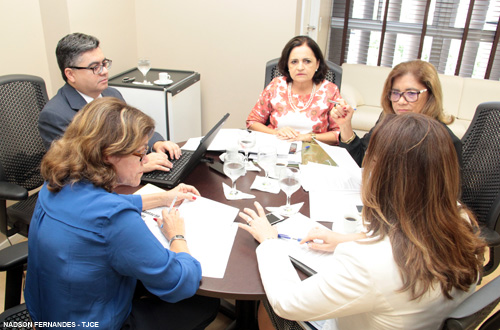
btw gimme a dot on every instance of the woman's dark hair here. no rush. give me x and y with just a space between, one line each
71 47
298 41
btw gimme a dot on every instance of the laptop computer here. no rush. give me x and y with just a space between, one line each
185 164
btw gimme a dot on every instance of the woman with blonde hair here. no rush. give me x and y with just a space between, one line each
89 247
420 257
412 86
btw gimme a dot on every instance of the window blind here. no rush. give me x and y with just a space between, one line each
459 37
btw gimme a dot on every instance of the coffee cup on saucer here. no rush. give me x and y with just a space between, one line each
164 79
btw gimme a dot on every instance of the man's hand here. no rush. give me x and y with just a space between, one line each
168 146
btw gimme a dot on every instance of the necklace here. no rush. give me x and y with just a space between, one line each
308 104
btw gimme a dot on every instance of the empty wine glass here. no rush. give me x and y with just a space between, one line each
289 183
246 140
267 157
144 65
234 167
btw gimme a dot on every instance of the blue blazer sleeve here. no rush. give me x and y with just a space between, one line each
135 252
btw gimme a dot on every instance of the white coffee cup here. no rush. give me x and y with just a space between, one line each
351 223
164 76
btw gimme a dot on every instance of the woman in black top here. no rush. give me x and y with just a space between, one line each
412 86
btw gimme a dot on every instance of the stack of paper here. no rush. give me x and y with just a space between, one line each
227 138
210 230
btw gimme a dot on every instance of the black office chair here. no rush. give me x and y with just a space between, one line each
333 75
481 175
13 260
475 309
22 97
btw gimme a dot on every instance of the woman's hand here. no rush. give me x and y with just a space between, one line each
156 161
257 224
342 113
330 239
172 148
171 224
182 191
287 133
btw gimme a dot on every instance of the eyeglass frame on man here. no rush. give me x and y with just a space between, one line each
404 94
97 69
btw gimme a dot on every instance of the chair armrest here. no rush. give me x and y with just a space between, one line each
12 191
14 256
491 237
481 303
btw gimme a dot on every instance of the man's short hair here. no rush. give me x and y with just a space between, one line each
71 47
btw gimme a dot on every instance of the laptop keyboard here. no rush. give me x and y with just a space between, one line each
175 171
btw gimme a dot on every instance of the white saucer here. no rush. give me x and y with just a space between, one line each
159 82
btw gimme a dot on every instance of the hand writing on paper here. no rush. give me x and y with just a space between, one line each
257 224
330 239
182 191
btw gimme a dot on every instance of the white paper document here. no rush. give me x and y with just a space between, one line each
227 138
210 230
316 176
298 226
333 206
339 155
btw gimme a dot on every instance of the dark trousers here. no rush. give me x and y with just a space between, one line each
150 312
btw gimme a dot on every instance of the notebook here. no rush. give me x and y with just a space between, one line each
185 164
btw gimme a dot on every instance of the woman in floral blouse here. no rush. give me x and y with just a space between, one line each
295 106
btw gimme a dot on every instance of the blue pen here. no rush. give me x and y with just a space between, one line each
288 237
307 147
284 236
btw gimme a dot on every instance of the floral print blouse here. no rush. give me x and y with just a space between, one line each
273 108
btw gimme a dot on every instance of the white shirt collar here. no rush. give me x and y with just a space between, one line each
87 98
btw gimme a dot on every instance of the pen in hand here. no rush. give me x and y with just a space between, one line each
288 237
173 202
284 236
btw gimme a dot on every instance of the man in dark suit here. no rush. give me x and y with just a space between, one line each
85 71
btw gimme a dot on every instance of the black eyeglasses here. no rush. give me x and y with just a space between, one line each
410 96
141 155
96 69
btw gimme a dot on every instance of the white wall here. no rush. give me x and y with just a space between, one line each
228 42
22 40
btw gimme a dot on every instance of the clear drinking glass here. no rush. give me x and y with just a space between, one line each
289 183
144 65
246 140
267 157
234 167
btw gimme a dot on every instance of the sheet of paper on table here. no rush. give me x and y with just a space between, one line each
210 230
298 226
341 156
334 205
227 138
316 176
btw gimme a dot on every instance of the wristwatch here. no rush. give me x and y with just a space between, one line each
313 136
176 237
